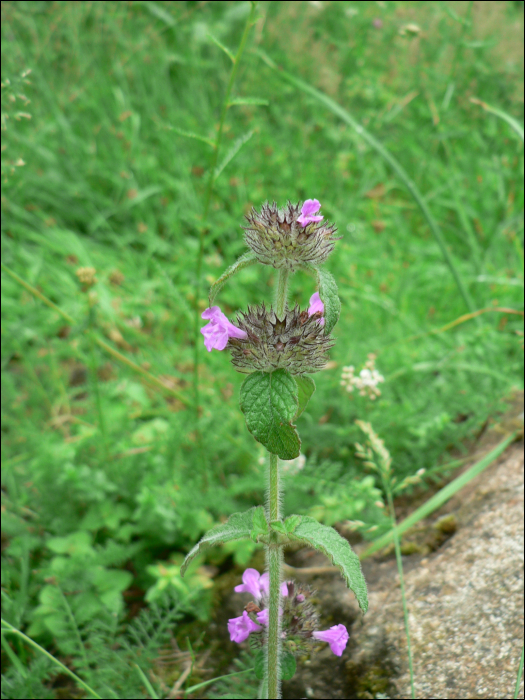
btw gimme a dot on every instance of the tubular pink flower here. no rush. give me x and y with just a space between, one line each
336 636
241 627
253 583
316 305
264 616
309 208
217 332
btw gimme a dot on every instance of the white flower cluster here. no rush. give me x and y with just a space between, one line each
366 381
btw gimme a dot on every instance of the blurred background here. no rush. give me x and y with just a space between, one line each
107 479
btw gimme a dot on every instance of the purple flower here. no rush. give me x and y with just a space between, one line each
264 615
254 583
309 208
316 305
218 330
240 627
336 636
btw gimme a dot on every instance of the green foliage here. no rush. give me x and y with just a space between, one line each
110 182
306 388
328 293
288 665
269 402
338 550
238 526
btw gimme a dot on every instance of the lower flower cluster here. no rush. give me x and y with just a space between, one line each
298 618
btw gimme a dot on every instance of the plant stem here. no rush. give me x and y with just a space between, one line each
401 581
518 679
281 294
207 201
274 552
274 555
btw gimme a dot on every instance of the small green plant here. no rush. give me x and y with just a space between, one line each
278 348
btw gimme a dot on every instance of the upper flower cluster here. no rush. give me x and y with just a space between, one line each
290 237
298 618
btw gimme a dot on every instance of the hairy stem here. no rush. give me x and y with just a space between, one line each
274 556
274 552
281 293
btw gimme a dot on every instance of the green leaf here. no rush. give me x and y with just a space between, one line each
328 294
292 522
245 260
288 526
258 665
306 387
278 526
288 665
269 402
237 527
248 101
260 524
192 135
337 549
222 47
237 145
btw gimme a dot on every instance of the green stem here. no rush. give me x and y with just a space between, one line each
274 555
401 581
281 293
207 202
274 552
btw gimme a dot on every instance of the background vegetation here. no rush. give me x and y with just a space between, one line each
106 480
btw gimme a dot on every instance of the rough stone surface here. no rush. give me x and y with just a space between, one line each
465 605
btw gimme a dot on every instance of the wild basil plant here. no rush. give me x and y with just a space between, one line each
278 348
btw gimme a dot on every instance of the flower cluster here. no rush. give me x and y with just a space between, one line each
298 618
290 237
262 341
366 381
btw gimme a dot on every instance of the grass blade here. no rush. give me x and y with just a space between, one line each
440 497
9 629
513 123
193 688
389 158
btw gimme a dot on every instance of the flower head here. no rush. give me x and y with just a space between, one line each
254 583
241 627
289 237
219 330
316 306
309 208
336 636
295 342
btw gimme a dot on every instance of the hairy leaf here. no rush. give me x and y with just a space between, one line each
269 402
237 527
260 524
306 387
328 294
337 549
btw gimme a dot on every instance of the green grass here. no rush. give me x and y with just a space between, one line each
104 474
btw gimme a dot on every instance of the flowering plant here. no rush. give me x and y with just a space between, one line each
277 348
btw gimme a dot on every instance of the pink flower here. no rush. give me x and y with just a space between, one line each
218 330
336 636
316 305
264 616
240 627
254 583
309 208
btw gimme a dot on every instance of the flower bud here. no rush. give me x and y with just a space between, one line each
279 238
296 342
